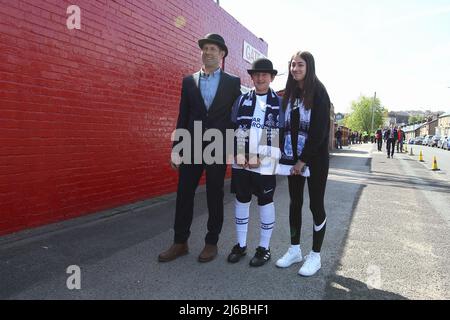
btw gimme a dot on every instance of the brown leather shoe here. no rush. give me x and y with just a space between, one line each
208 253
175 251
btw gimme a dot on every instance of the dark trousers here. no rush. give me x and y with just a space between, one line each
189 177
338 143
400 146
390 146
316 189
379 144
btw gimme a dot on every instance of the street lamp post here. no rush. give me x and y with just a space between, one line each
373 109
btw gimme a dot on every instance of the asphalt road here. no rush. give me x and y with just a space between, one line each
387 238
428 153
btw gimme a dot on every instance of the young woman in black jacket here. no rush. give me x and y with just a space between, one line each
306 112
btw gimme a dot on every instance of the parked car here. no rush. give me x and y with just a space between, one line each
418 140
434 141
426 140
442 143
411 140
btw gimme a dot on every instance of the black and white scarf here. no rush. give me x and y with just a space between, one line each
296 128
244 119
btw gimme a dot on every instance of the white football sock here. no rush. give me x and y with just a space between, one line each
267 216
242 213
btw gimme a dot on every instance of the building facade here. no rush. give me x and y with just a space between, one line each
443 128
429 128
412 131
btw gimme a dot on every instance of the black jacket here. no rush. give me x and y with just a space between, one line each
192 106
316 144
388 133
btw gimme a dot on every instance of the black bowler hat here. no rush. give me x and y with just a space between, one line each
262 65
215 39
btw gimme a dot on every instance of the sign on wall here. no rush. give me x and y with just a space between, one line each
250 54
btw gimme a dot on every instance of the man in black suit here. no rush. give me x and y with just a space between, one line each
390 136
207 97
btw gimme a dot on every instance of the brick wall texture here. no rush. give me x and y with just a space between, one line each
86 114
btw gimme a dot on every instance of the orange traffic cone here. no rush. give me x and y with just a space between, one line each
434 167
421 157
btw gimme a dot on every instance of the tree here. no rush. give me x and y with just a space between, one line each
416 118
360 119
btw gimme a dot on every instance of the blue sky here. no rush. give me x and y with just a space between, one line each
398 48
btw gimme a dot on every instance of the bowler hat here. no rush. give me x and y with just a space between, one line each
215 39
262 65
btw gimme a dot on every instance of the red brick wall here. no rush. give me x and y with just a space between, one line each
86 115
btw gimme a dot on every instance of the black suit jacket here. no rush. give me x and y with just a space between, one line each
192 106
388 133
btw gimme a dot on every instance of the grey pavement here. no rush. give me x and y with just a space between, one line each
387 238
398 239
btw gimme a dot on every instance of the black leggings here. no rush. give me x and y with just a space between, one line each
316 187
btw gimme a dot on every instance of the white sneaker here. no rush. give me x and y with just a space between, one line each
311 265
290 257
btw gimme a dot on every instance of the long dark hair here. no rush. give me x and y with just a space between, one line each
292 90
